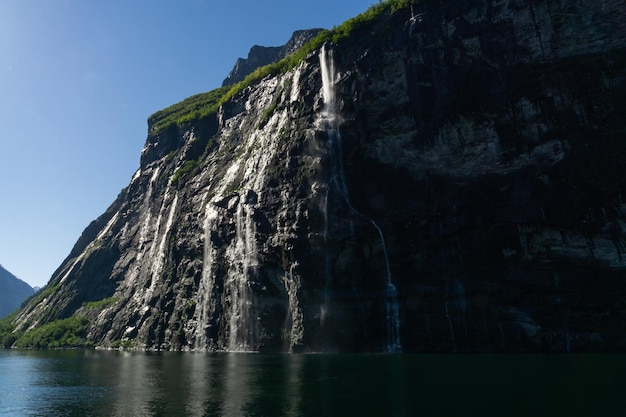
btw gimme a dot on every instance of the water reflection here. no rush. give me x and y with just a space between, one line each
91 383
201 384
198 367
135 381
32 384
236 380
293 383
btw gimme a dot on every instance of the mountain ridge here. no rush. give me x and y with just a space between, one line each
259 56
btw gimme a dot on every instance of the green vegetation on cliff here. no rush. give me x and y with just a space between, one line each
192 108
100 304
58 334
181 172
204 104
64 333
7 334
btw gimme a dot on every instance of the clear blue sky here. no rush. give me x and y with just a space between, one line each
78 80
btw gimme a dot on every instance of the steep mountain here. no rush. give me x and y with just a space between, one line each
263 55
438 176
12 292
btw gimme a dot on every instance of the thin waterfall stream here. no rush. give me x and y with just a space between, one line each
331 120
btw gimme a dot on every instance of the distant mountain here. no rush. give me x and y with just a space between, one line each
264 55
12 292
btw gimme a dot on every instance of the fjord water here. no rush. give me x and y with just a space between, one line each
105 383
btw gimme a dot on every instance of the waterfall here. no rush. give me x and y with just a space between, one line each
450 326
243 260
327 268
157 266
205 289
158 251
327 66
294 321
392 307
455 307
145 226
330 117
240 329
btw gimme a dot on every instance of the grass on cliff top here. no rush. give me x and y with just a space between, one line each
192 108
204 104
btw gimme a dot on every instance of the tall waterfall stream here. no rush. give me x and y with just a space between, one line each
330 118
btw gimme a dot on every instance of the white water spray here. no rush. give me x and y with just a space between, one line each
392 307
327 67
205 290
331 120
327 64
161 236
243 257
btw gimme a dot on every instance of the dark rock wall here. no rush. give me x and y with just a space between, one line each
478 145
477 170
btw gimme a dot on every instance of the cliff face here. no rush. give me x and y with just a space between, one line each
12 292
450 178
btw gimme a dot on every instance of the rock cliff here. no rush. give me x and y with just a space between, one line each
447 178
